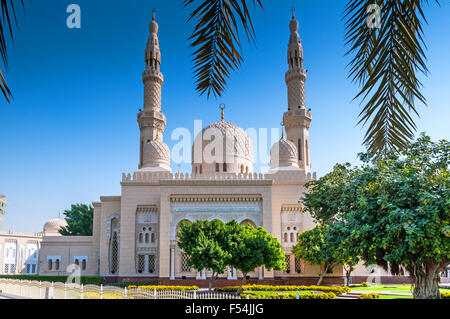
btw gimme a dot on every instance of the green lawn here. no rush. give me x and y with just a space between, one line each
387 288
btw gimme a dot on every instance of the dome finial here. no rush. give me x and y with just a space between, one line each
293 13
154 14
222 108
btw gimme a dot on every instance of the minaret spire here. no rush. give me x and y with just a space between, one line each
297 119
152 121
296 76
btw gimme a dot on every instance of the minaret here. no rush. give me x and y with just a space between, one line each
297 119
154 153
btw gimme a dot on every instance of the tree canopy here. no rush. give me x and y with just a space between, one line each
394 211
79 219
3 204
205 243
215 246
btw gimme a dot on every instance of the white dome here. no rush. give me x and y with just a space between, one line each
219 143
156 155
283 153
53 226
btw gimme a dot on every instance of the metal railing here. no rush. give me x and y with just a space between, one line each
57 290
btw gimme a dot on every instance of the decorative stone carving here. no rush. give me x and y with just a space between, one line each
225 212
108 227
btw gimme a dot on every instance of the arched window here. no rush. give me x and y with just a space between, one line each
292 237
151 264
242 169
57 264
201 169
307 153
217 167
298 266
225 167
141 263
153 237
288 263
83 264
50 264
196 170
184 265
246 170
114 254
299 148
285 237
140 238
146 238
77 262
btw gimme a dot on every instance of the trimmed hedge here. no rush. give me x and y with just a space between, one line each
324 295
85 280
372 295
338 290
165 288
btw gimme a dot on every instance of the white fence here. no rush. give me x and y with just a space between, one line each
56 290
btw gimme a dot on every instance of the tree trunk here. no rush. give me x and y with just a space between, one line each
425 281
244 280
323 270
348 273
211 281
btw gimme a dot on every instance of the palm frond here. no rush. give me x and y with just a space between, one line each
6 26
386 63
217 42
3 204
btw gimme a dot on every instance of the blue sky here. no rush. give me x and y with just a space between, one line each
71 130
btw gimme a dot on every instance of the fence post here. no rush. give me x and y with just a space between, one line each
65 291
101 291
40 289
81 292
125 293
20 288
154 293
195 295
50 295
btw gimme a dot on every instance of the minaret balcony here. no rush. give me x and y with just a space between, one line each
296 74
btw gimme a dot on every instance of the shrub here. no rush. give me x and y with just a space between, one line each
445 294
324 295
364 284
338 290
372 295
165 288
85 280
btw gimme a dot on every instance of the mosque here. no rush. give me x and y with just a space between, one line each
135 234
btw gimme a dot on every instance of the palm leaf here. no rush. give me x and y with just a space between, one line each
386 63
8 11
217 42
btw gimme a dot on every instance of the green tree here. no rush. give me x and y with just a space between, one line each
205 243
3 204
313 247
328 198
79 221
402 217
251 248
336 238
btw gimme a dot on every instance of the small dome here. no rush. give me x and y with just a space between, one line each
287 154
156 155
222 142
53 226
